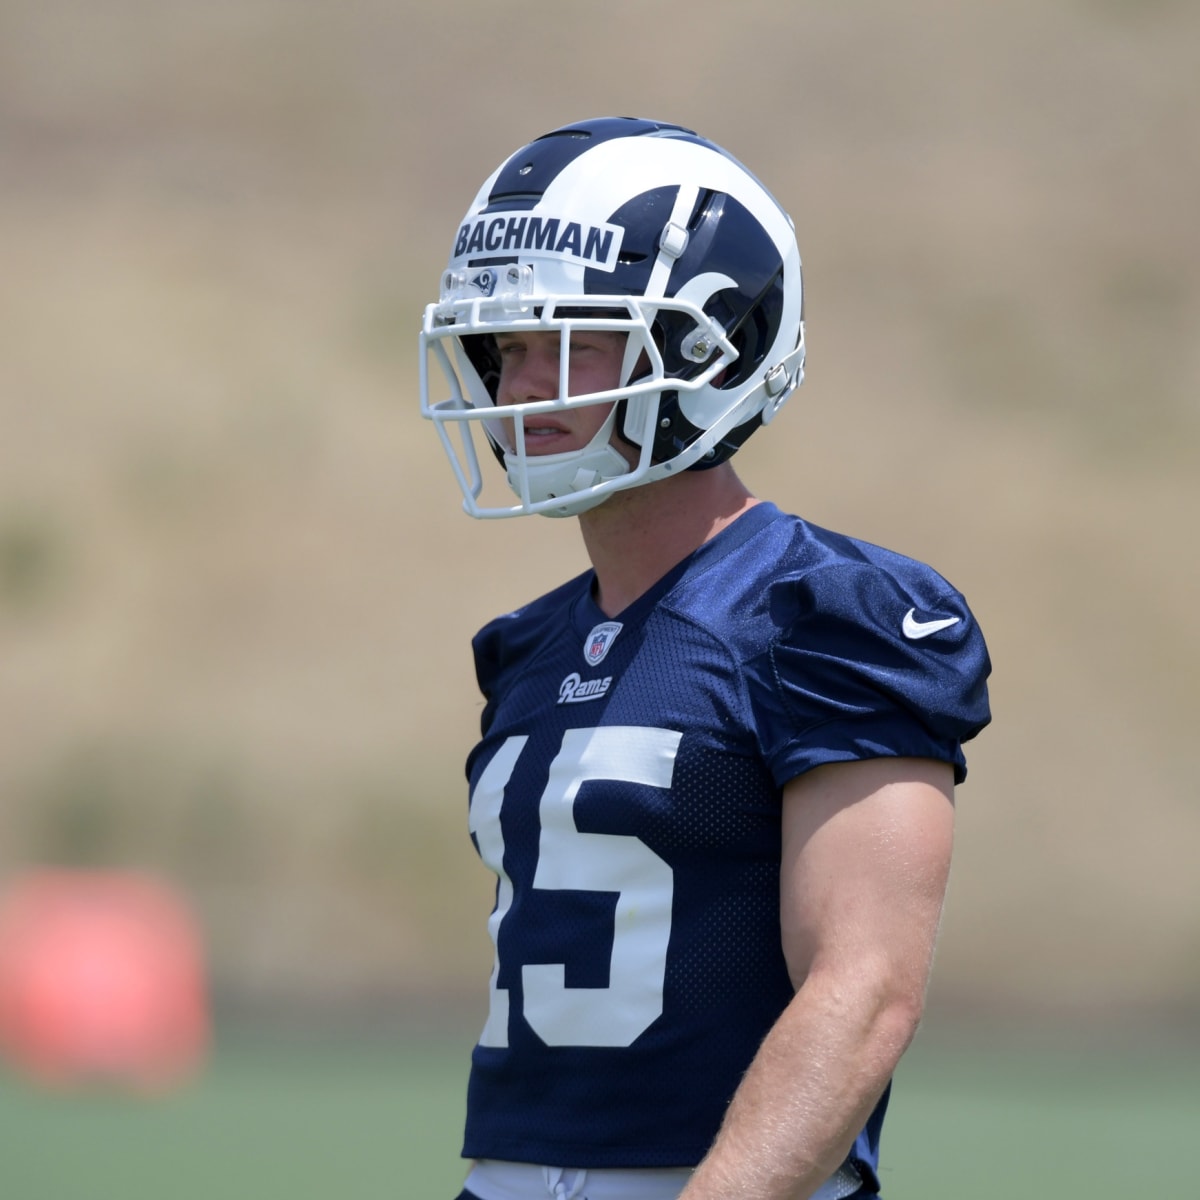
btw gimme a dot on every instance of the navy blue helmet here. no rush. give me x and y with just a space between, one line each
633 226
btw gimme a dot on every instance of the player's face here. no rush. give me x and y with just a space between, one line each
529 367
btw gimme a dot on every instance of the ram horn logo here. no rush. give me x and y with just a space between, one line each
600 641
485 281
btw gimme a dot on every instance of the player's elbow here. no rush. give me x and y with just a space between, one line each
897 1020
898 1006
885 1001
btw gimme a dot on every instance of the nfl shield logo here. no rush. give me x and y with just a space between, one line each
600 641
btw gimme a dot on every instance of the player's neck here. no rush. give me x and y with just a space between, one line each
635 537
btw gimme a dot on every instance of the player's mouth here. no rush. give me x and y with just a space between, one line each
546 437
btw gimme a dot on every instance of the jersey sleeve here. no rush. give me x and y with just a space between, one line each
872 660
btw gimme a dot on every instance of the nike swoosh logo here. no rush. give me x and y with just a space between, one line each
914 629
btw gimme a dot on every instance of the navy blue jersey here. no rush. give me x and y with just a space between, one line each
627 791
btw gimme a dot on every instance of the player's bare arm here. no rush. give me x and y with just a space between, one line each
866 855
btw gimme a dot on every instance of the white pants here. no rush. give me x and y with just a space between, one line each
491 1179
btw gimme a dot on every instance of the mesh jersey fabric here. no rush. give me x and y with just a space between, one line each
630 805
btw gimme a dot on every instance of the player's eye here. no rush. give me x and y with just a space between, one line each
599 341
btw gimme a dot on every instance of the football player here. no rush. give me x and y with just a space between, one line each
716 771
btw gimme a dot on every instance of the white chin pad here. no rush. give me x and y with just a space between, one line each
570 476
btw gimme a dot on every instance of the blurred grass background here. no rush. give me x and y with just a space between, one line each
369 1121
236 591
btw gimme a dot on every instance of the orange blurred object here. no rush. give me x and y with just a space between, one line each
101 978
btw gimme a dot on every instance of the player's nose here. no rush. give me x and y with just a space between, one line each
532 374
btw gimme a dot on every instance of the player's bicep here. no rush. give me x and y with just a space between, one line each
866 855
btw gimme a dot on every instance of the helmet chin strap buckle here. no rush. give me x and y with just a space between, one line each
776 381
778 384
585 479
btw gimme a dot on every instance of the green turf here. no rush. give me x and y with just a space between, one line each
319 1121
1105 1120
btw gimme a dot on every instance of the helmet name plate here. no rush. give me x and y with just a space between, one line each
539 236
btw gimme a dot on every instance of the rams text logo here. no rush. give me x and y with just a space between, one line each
574 690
